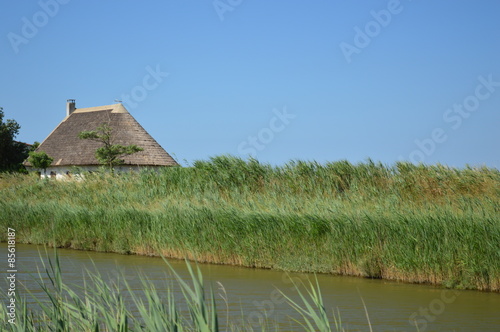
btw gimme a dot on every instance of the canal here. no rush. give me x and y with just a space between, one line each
246 296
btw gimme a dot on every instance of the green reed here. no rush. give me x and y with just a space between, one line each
415 223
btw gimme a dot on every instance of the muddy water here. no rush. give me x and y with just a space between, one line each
247 296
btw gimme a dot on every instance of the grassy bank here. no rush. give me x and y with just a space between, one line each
424 224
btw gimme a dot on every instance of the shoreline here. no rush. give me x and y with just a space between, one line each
212 262
410 223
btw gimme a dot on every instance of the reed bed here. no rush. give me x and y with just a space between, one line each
414 223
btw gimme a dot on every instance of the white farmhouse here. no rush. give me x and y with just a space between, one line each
68 150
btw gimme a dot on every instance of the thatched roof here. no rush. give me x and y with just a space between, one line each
67 149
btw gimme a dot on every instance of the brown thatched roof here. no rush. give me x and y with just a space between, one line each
67 149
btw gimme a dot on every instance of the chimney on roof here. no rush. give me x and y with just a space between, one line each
70 106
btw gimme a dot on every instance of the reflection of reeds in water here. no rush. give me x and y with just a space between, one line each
414 223
100 306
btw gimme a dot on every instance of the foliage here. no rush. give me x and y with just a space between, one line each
12 153
40 159
34 146
414 223
109 154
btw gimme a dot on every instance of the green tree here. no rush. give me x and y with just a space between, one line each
34 146
40 160
109 154
12 152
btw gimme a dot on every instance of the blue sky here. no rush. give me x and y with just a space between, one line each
278 80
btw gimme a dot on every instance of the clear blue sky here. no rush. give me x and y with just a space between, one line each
316 80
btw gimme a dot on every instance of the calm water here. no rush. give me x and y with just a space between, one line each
252 293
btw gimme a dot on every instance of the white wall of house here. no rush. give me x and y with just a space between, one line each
68 172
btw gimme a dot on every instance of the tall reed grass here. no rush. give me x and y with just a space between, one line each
414 223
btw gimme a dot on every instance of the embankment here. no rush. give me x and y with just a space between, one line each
421 224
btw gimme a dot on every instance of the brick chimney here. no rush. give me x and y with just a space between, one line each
70 106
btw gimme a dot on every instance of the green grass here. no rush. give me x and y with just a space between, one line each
414 223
